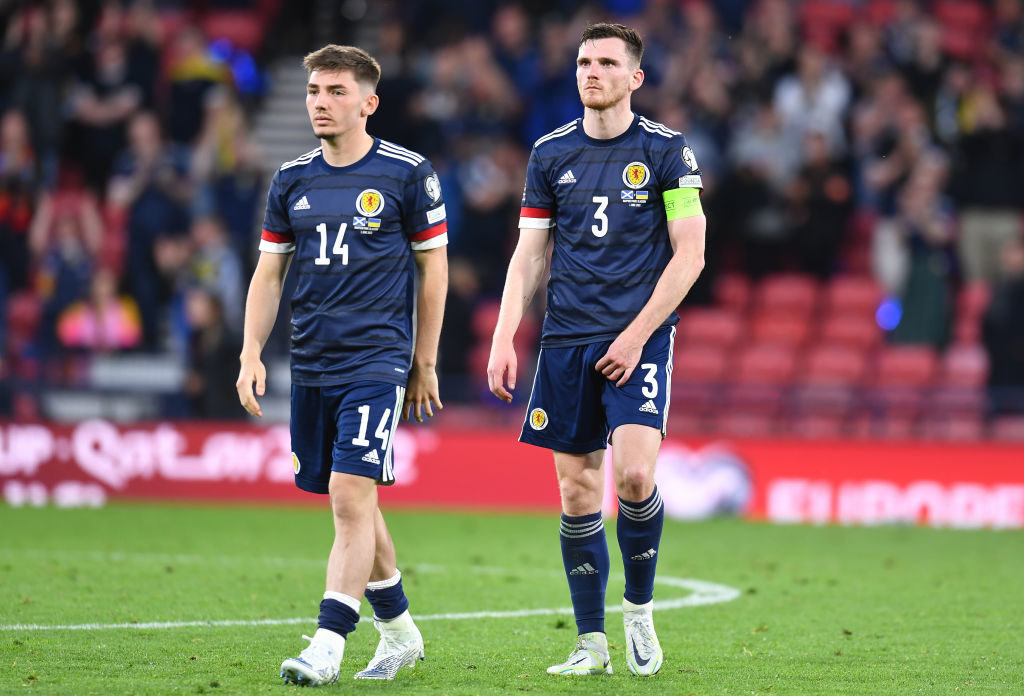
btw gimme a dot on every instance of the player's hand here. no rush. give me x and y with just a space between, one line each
618 363
251 372
501 363
421 394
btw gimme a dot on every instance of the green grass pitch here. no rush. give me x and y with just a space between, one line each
820 610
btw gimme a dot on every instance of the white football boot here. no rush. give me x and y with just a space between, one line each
317 665
400 646
643 651
590 657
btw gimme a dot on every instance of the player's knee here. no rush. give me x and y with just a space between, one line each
579 497
634 483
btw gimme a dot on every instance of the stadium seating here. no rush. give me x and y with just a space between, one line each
787 292
720 328
852 295
855 330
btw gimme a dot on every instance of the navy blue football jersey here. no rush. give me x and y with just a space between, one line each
603 199
353 231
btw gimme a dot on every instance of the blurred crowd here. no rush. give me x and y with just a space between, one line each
870 137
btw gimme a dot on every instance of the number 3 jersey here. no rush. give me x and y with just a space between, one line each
353 231
603 199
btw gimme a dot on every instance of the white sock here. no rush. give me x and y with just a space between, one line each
335 641
348 600
384 584
403 622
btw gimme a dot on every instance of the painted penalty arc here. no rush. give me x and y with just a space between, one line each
702 593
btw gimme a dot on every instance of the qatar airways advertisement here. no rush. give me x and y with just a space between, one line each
962 485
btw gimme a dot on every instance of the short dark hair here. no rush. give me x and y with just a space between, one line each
335 58
634 44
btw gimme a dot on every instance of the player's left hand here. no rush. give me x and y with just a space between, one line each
421 394
618 363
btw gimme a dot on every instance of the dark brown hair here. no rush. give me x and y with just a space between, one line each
335 58
634 44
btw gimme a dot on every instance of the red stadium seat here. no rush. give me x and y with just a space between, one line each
243 28
760 378
833 365
787 292
732 291
953 427
485 318
827 388
853 295
709 327
880 12
1008 428
855 330
697 375
901 381
973 299
780 328
964 365
823 21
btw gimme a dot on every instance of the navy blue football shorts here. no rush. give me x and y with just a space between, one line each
574 408
346 428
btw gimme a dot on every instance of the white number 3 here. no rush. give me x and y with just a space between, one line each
650 391
602 230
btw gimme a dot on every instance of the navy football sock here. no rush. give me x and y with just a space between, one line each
387 597
337 617
639 532
585 556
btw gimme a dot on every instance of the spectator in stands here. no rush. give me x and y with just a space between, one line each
194 77
65 237
227 167
924 224
101 106
986 183
457 339
104 321
151 185
1003 333
19 186
819 206
814 97
213 350
216 267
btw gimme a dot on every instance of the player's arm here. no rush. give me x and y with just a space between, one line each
525 271
422 392
261 307
687 237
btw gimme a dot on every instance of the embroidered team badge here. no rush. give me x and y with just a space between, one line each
370 202
433 187
296 467
636 175
538 419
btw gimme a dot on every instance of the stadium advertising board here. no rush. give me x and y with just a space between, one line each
849 482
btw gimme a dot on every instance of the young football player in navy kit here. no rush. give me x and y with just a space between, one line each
619 196
357 218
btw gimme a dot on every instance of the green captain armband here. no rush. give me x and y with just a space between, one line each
682 203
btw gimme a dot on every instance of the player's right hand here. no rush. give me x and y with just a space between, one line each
252 371
501 363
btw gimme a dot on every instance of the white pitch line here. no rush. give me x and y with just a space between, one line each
703 593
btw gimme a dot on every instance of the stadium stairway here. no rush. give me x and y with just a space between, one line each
282 126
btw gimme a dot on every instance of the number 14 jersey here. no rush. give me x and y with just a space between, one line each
603 201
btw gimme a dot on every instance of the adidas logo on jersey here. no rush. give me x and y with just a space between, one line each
649 407
567 178
585 569
303 204
371 457
645 556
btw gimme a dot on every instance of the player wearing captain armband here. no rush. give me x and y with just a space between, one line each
357 219
618 197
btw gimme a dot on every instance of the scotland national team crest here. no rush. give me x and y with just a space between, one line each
370 202
433 187
636 175
538 419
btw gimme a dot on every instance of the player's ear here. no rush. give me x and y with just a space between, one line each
370 103
636 79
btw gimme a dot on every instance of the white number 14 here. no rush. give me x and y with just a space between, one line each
340 249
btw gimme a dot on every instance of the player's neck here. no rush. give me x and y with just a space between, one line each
607 123
347 148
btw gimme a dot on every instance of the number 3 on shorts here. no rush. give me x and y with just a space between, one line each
650 389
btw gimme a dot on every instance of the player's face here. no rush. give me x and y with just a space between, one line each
337 103
605 74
